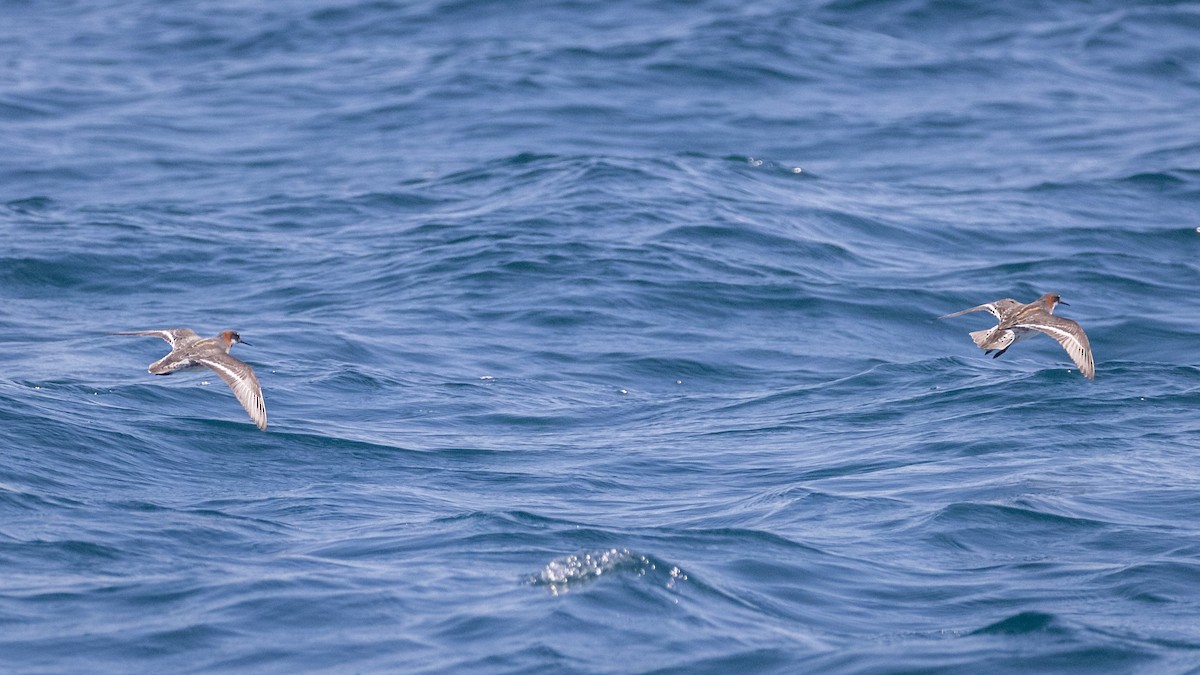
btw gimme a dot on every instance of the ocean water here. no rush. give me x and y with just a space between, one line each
599 337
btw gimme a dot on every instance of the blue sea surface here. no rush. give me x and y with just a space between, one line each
599 337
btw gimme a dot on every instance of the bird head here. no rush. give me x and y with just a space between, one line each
231 336
1051 300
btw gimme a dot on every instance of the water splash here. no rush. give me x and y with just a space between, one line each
572 572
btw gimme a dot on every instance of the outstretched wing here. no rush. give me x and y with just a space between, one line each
998 309
240 378
174 336
1071 337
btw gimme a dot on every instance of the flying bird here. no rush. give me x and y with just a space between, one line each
1019 321
189 350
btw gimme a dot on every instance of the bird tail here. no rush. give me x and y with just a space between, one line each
993 338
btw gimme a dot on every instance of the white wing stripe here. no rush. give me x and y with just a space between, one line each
244 386
1075 347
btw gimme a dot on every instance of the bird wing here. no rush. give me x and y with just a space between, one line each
1070 336
240 378
998 309
174 336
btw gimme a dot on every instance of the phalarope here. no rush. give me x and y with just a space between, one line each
189 350
1018 322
